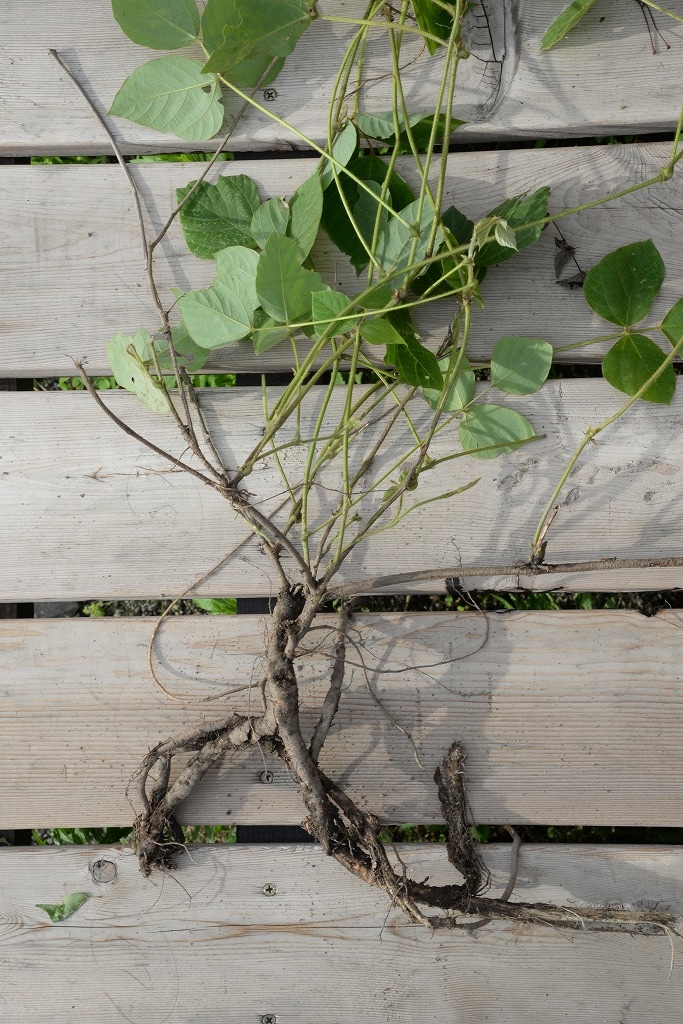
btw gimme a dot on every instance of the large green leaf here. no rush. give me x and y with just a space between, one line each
221 19
485 425
516 212
305 211
343 148
268 333
415 365
325 306
624 284
60 911
158 24
566 21
460 393
129 359
219 315
284 288
672 324
218 216
434 20
171 94
259 28
271 216
380 332
630 363
382 125
238 264
519 366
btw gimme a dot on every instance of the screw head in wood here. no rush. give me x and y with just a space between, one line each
268 1018
267 777
269 889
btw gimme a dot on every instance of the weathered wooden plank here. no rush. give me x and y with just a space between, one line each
567 717
88 512
604 79
325 947
73 274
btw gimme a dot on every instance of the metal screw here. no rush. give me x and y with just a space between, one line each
267 776
269 889
268 1018
269 95
103 871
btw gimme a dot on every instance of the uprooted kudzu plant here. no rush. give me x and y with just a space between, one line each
367 397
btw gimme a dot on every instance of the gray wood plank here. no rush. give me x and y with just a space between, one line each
603 80
567 717
73 275
88 512
325 947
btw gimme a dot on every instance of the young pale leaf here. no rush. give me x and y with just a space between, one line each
305 211
257 29
483 426
129 358
171 94
415 365
672 324
624 284
271 216
434 20
325 305
504 235
460 393
284 288
158 24
519 366
630 363
343 149
219 315
381 332
239 264
218 216
516 212
566 21
60 911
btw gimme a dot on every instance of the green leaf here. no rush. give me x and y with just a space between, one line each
516 211
238 264
460 393
216 605
219 315
415 365
395 243
381 125
374 168
271 216
380 332
268 334
158 24
378 298
170 94
284 288
221 19
305 211
367 209
570 17
519 366
218 216
624 284
422 132
325 305
189 355
486 425
259 28
60 911
343 148
129 359
434 20
504 235
672 324
630 363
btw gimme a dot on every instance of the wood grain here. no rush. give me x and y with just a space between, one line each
567 717
325 947
73 274
88 512
604 79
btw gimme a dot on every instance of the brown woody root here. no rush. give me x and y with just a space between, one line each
345 832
